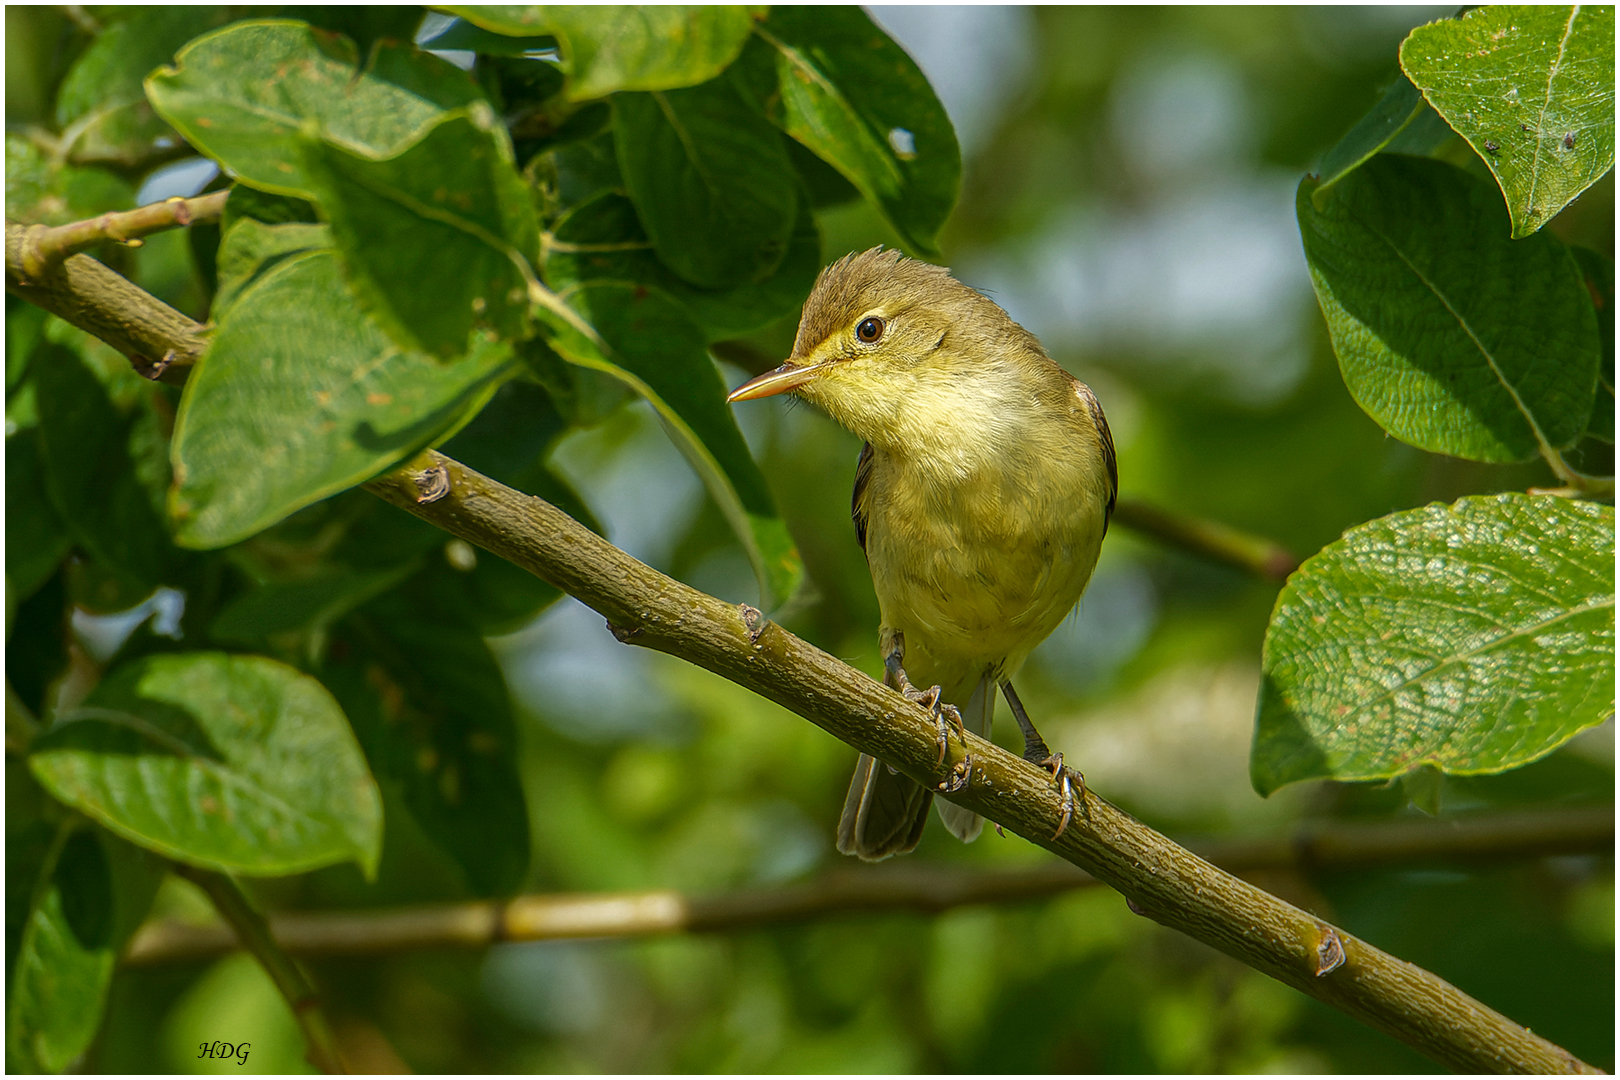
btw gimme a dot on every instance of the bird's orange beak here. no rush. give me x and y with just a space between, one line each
789 376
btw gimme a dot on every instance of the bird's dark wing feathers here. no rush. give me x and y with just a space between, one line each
863 476
1104 436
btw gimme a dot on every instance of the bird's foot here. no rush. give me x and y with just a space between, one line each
946 717
961 772
1066 780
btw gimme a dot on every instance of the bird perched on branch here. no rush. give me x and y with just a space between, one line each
981 499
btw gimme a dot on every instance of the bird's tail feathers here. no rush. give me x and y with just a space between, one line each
884 813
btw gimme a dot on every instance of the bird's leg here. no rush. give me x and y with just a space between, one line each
1035 750
894 677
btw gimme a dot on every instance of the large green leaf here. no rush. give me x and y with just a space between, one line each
645 339
1475 638
102 107
234 763
1532 90
1453 337
711 182
838 84
608 48
241 95
430 705
92 892
437 241
300 396
603 241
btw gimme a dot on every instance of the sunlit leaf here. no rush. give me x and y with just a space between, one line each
1532 90
241 95
1475 637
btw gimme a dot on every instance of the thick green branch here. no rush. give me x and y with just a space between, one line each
1159 878
904 886
160 342
253 932
644 607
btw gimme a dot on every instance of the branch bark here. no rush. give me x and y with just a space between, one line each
1159 878
905 886
643 607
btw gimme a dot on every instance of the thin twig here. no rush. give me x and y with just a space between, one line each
253 932
1211 539
915 886
44 246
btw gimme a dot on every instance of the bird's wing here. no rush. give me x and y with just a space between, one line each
1104 436
863 476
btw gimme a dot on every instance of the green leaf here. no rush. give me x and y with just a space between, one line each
92 453
838 84
1532 90
711 181
241 95
102 108
263 207
234 763
39 190
92 893
1475 637
1401 116
36 537
301 397
437 241
603 241
431 707
285 614
1598 273
1453 337
254 249
645 339
608 48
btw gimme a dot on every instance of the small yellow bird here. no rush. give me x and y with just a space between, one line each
981 499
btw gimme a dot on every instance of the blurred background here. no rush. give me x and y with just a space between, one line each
1128 196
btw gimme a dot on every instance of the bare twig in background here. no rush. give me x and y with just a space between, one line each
915 886
1246 551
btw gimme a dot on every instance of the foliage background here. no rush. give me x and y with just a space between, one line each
1128 195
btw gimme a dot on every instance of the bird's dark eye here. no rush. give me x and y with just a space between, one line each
870 329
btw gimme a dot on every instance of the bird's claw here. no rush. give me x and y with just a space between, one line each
1066 779
961 772
945 716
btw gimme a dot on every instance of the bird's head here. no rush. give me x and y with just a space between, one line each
883 336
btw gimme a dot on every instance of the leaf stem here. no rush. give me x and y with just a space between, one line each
253 932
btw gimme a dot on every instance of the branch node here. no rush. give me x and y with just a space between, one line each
755 622
432 484
625 634
1329 951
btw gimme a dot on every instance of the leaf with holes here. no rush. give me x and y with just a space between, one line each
1453 337
301 397
437 240
1532 90
615 47
1475 638
242 95
234 763
833 80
